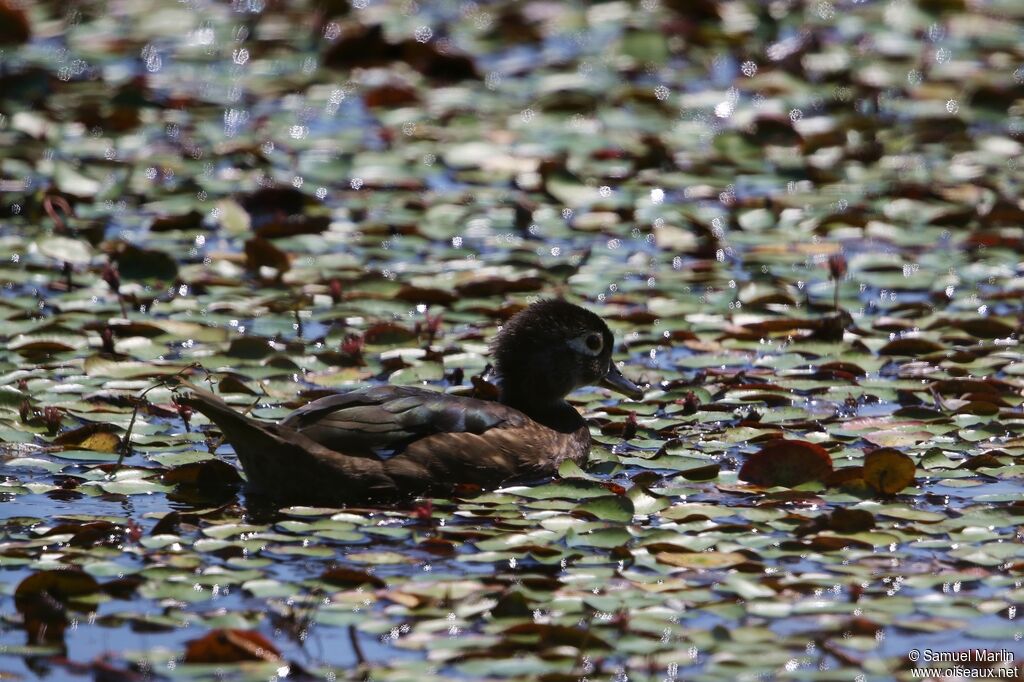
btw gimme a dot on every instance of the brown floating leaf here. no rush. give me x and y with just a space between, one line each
360 46
986 460
985 328
514 26
844 520
493 286
861 626
845 476
123 588
415 294
558 635
275 201
90 533
368 46
230 646
843 367
775 130
135 263
293 225
439 546
911 347
260 253
449 65
387 333
14 26
350 577
250 347
888 470
512 604
982 408
60 584
42 599
168 525
391 95
38 347
787 463
704 473
975 386
192 220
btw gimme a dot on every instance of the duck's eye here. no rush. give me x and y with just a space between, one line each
588 344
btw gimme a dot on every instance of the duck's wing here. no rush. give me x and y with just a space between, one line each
382 421
498 456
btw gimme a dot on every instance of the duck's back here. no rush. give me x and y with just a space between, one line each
383 420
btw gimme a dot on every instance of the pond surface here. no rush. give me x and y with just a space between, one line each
802 220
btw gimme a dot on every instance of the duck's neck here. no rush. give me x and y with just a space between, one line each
553 413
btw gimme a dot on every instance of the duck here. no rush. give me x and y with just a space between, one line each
387 442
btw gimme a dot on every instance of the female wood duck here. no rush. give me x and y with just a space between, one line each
387 442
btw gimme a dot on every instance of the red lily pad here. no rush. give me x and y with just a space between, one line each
787 463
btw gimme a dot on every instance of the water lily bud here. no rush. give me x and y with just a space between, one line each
837 265
352 349
424 511
52 417
107 337
629 430
112 277
432 325
690 403
335 289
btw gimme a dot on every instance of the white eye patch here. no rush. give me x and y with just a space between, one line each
591 343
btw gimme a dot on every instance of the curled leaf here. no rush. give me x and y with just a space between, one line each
888 471
98 437
787 463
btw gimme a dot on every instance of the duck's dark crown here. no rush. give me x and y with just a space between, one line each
548 350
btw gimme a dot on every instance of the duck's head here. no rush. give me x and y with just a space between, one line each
552 348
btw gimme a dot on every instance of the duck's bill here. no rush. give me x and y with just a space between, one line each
620 384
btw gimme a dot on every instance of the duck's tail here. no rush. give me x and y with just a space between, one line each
237 428
252 439
281 462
